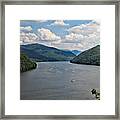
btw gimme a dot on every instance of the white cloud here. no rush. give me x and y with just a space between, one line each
72 38
86 29
84 36
68 46
59 23
43 35
47 35
41 21
26 28
28 37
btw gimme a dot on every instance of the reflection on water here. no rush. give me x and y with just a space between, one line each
60 81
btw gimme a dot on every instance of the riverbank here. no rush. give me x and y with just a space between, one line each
85 63
26 64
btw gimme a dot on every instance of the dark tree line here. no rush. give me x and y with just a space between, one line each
26 64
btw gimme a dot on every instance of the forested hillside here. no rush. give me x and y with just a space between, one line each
26 64
90 57
42 53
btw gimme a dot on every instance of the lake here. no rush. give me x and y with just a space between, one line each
59 81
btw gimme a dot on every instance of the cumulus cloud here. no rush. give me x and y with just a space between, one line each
84 36
26 28
47 35
81 37
28 37
72 38
40 21
42 35
59 23
86 29
68 46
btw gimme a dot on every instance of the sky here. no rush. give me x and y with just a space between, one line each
62 34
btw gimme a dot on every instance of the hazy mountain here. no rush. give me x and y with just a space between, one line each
76 52
91 57
44 53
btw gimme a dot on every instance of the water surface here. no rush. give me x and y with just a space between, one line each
60 81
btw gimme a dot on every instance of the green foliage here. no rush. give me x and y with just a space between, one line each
42 53
90 57
96 94
26 64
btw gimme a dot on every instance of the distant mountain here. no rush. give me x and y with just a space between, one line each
91 57
44 53
76 52
26 64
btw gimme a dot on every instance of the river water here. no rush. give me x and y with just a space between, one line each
59 81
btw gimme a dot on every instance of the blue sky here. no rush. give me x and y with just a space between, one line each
56 29
62 34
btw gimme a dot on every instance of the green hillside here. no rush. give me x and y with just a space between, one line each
26 64
90 57
42 53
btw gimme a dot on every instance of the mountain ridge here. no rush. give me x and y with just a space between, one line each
76 52
42 53
89 57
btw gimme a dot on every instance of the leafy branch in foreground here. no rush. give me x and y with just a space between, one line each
95 93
